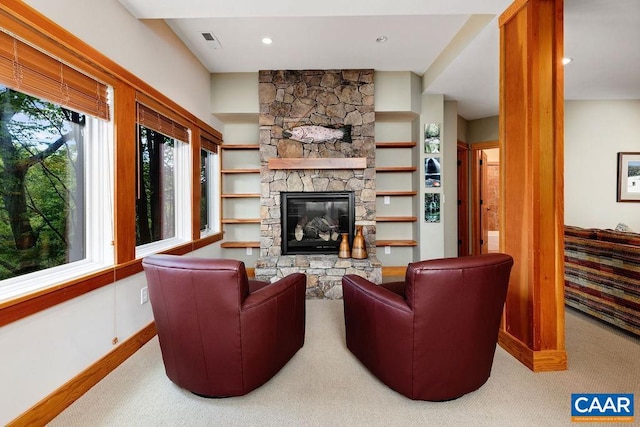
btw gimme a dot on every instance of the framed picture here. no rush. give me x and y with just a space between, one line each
432 207
432 138
432 172
629 177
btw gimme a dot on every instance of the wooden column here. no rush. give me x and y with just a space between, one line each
532 163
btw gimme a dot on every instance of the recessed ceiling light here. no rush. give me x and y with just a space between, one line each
565 61
381 39
267 40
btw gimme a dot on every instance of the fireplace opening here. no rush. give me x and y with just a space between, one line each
313 222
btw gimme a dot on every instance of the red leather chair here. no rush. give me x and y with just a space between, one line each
433 336
221 334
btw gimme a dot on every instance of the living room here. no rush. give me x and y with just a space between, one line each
77 333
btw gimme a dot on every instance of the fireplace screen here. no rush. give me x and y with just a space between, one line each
313 222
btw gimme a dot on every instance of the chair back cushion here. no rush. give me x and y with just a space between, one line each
457 305
196 305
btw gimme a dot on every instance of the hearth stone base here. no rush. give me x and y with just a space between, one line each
324 272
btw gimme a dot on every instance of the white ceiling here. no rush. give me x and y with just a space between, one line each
453 43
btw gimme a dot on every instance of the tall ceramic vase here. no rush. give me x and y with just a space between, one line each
343 250
359 251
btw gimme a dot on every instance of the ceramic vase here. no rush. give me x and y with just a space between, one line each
359 250
343 251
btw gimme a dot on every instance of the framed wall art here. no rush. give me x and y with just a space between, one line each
432 207
432 172
628 177
432 138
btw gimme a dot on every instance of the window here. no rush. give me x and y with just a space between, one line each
209 188
163 191
55 152
60 235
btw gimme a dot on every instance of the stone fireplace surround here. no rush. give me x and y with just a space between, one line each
316 97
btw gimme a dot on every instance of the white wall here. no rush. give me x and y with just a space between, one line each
450 178
483 130
432 238
42 352
595 131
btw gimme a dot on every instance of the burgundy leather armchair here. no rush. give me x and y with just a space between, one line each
220 333
433 336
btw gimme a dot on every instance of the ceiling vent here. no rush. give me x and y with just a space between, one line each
211 39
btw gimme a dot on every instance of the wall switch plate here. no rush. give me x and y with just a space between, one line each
144 295
387 200
249 251
387 250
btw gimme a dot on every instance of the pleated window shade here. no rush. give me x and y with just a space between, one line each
209 142
153 120
33 72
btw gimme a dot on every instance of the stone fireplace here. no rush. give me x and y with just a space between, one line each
340 104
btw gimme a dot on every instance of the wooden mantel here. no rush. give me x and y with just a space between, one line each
318 163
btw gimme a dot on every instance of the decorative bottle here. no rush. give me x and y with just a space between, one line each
343 251
359 250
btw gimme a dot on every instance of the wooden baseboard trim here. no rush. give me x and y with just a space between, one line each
51 406
394 271
537 361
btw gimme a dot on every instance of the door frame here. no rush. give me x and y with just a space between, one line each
463 199
476 179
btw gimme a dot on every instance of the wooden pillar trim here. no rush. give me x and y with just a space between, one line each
537 361
532 163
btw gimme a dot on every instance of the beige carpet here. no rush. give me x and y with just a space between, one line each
324 385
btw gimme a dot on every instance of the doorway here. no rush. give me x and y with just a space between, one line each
485 197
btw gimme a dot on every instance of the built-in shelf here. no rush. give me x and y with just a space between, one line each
318 163
395 144
230 171
396 243
229 245
240 195
397 169
240 170
240 146
396 218
396 193
241 221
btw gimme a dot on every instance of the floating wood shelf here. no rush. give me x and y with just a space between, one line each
396 219
241 221
240 245
395 144
240 196
396 243
396 193
314 163
397 169
229 171
240 147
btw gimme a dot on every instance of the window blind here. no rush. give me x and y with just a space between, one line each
158 122
31 71
209 142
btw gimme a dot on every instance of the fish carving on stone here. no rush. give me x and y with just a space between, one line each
313 133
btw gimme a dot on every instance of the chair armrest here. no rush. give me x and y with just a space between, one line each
395 287
376 292
272 290
256 285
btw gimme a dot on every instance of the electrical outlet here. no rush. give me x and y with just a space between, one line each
249 251
144 295
387 200
387 250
